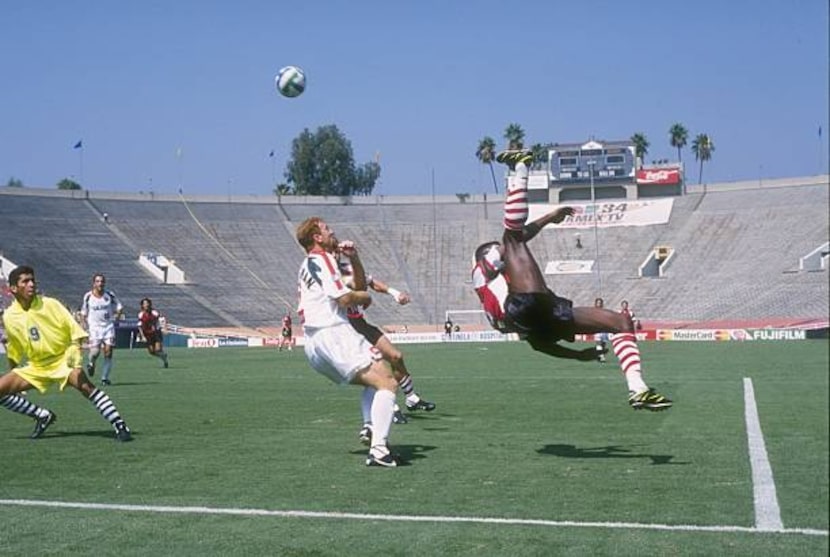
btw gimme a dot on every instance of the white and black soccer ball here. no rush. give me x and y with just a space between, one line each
290 81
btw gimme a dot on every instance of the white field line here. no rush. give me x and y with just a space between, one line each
767 512
401 518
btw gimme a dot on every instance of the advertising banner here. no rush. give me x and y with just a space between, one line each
661 176
607 214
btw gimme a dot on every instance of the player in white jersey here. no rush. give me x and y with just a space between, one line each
333 348
516 298
100 309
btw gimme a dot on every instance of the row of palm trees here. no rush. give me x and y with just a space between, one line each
702 147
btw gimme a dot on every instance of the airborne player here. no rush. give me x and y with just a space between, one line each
516 298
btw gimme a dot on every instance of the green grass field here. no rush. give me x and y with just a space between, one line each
226 439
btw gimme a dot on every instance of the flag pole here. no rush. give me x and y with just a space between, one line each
79 146
179 166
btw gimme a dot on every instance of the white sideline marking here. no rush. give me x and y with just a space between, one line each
767 513
402 518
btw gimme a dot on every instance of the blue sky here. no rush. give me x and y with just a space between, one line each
418 82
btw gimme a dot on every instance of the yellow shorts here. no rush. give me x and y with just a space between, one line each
40 378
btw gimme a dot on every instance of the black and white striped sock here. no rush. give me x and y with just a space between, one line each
106 407
406 385
21 405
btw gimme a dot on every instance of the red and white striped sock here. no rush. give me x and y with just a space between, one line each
515 202
628 354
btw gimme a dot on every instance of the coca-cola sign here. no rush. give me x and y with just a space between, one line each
658 176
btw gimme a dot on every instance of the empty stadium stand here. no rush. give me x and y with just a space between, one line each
736 252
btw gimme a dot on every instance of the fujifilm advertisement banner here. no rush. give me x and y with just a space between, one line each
720 335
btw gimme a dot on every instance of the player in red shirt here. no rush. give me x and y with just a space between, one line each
150 327
625 310
516 298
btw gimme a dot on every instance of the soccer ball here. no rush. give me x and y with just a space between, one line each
290 81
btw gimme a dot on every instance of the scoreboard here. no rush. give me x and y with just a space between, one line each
611 161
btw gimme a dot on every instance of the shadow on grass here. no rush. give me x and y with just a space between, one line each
97 433
118 385
407 453
611 451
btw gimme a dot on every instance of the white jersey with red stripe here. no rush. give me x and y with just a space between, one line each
320 285
491 293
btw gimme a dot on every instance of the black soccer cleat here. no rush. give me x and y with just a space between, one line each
365 435
122 433
650 400
421 405
42 424
399 418
386 461
512 157
90 369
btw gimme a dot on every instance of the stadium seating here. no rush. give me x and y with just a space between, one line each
736 252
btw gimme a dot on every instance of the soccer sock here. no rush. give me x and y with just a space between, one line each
628 354
515 203
381 420
106 368
366 404
405 383
106 407
21 405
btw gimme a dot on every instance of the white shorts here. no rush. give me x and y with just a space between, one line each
339 352
102 335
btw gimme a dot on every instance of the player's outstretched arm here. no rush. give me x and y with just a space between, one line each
400 297
554 217
556 350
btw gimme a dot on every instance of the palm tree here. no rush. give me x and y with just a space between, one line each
540 155
702 147
515 136
282 189
677 137
640 146
486 153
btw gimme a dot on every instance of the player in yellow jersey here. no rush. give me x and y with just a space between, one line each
44 348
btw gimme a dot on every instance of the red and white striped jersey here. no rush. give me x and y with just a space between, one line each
320 285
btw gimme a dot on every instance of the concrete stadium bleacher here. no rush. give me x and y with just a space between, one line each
736 252
67 242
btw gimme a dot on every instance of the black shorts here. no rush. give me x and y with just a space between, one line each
154 338
543 315
286 332
369 331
